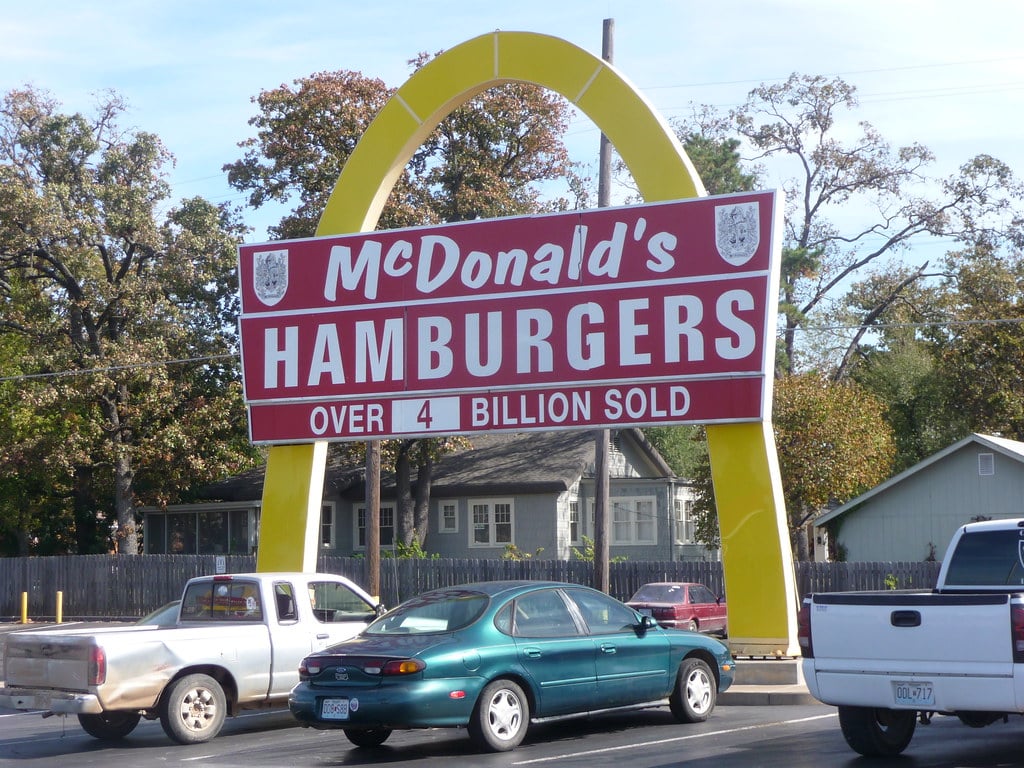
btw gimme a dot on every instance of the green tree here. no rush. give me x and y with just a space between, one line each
833 443
980 352
796 124
97 286
486 159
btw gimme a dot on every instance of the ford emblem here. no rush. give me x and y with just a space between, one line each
341 674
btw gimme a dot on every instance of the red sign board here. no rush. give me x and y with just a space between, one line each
651 314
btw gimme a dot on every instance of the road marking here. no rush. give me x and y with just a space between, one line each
620 747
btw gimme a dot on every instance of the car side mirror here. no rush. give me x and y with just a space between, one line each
646 623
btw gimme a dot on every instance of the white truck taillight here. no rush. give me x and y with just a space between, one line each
97 666
803 630
1017 632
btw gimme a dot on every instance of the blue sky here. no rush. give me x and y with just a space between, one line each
947 74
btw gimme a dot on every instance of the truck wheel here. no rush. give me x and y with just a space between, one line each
109 726
500 717
192 709
877 732
695 693
367 737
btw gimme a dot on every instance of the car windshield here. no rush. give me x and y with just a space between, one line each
659 593
439 611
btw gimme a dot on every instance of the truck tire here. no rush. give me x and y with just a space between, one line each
694 695
367 737
109 726
500 717
877 732
192 709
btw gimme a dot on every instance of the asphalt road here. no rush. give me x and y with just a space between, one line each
799 736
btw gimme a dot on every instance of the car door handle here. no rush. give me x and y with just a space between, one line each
607 648
533 653
322 636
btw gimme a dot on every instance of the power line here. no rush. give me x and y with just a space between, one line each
115 368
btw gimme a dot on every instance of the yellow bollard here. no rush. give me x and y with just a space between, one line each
60 606
24 607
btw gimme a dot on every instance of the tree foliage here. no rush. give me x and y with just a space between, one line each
98 286
833 443
484 160
800 123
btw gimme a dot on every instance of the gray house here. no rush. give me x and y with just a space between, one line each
531 490
913 515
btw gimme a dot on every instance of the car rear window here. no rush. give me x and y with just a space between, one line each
441 611
984 558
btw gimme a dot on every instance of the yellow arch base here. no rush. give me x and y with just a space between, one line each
758 566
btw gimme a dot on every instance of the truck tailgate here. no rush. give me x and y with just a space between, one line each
877 649
51 661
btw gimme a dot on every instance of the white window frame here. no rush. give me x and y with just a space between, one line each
629 516
328 525
359 523
685 525
491 523
442 505
575 521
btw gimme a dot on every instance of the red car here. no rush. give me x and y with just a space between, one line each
682 606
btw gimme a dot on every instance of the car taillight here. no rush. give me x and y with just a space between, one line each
803 630
97 667
402 667
1017 632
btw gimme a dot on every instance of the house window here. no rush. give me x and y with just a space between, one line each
327 526
447 517
986 464
685 526
492 523
633 521
387 526
574 522
203 532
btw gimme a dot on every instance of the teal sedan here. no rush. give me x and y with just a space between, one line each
496 656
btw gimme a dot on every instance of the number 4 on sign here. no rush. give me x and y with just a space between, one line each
423 417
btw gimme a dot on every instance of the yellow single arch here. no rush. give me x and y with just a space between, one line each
755 545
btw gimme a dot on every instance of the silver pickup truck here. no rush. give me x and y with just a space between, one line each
236 644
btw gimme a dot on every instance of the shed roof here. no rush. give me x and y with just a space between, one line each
1012 449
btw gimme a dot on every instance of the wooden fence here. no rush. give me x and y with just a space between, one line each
101 586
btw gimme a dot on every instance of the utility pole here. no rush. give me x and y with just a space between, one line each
602 516
372 520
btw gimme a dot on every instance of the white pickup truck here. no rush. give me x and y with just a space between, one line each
236 644
889 660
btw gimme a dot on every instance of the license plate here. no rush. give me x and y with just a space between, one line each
334 709
916 693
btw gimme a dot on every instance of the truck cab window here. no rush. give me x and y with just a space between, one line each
284 596
332 602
